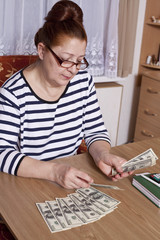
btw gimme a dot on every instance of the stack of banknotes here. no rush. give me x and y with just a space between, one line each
143 160
84 206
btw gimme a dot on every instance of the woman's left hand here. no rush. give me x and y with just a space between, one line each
107 161
100 151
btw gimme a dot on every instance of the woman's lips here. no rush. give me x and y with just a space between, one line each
66 77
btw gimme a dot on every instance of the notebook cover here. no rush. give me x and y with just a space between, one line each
146 193
155 190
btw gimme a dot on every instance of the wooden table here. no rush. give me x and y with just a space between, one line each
135 218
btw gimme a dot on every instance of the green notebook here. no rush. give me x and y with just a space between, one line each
148 188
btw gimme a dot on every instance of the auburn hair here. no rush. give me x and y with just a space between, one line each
64 19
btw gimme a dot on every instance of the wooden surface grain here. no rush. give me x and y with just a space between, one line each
135 218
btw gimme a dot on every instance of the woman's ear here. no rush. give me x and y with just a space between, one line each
41 50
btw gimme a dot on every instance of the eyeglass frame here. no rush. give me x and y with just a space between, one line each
60 61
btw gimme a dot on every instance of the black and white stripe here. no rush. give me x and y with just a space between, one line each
31 126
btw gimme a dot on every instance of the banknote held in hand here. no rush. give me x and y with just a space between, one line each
143 160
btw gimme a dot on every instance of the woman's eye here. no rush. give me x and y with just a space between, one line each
81 60
64 59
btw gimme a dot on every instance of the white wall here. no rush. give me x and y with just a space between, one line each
130 90
110 109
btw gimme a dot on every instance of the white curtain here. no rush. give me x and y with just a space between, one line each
20 20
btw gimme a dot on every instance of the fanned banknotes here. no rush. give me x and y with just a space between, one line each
143 160
84 206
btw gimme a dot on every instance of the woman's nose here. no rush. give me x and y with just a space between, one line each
73 69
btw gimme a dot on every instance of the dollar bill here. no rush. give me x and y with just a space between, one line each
71 219
68 201
101 209
89 204
99 197
56 210
84 206
143 160
49 218
90 214
105 186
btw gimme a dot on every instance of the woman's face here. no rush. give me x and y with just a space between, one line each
71 49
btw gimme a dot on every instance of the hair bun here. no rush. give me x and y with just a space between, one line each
64 19
65 10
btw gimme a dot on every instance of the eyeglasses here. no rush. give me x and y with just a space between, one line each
67 64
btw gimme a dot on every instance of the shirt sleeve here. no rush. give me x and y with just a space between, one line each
10 156
94 128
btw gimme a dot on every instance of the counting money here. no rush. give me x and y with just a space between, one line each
143 160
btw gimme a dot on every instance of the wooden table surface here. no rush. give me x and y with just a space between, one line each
135 218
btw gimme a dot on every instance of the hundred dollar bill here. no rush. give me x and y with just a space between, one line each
99 196
71 205
145 155
71 219
88 203
49 218
90 214
143 160
55 209
103 210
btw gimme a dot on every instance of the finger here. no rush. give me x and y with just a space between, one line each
76 183
104 168
74 186
121 175
80 183
78 179
118 162
125 174
71 183
71 186
84 177
116 177
118 166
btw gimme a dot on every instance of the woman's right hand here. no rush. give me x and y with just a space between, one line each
70 177
61 173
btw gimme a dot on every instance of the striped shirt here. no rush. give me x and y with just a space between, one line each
45 130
